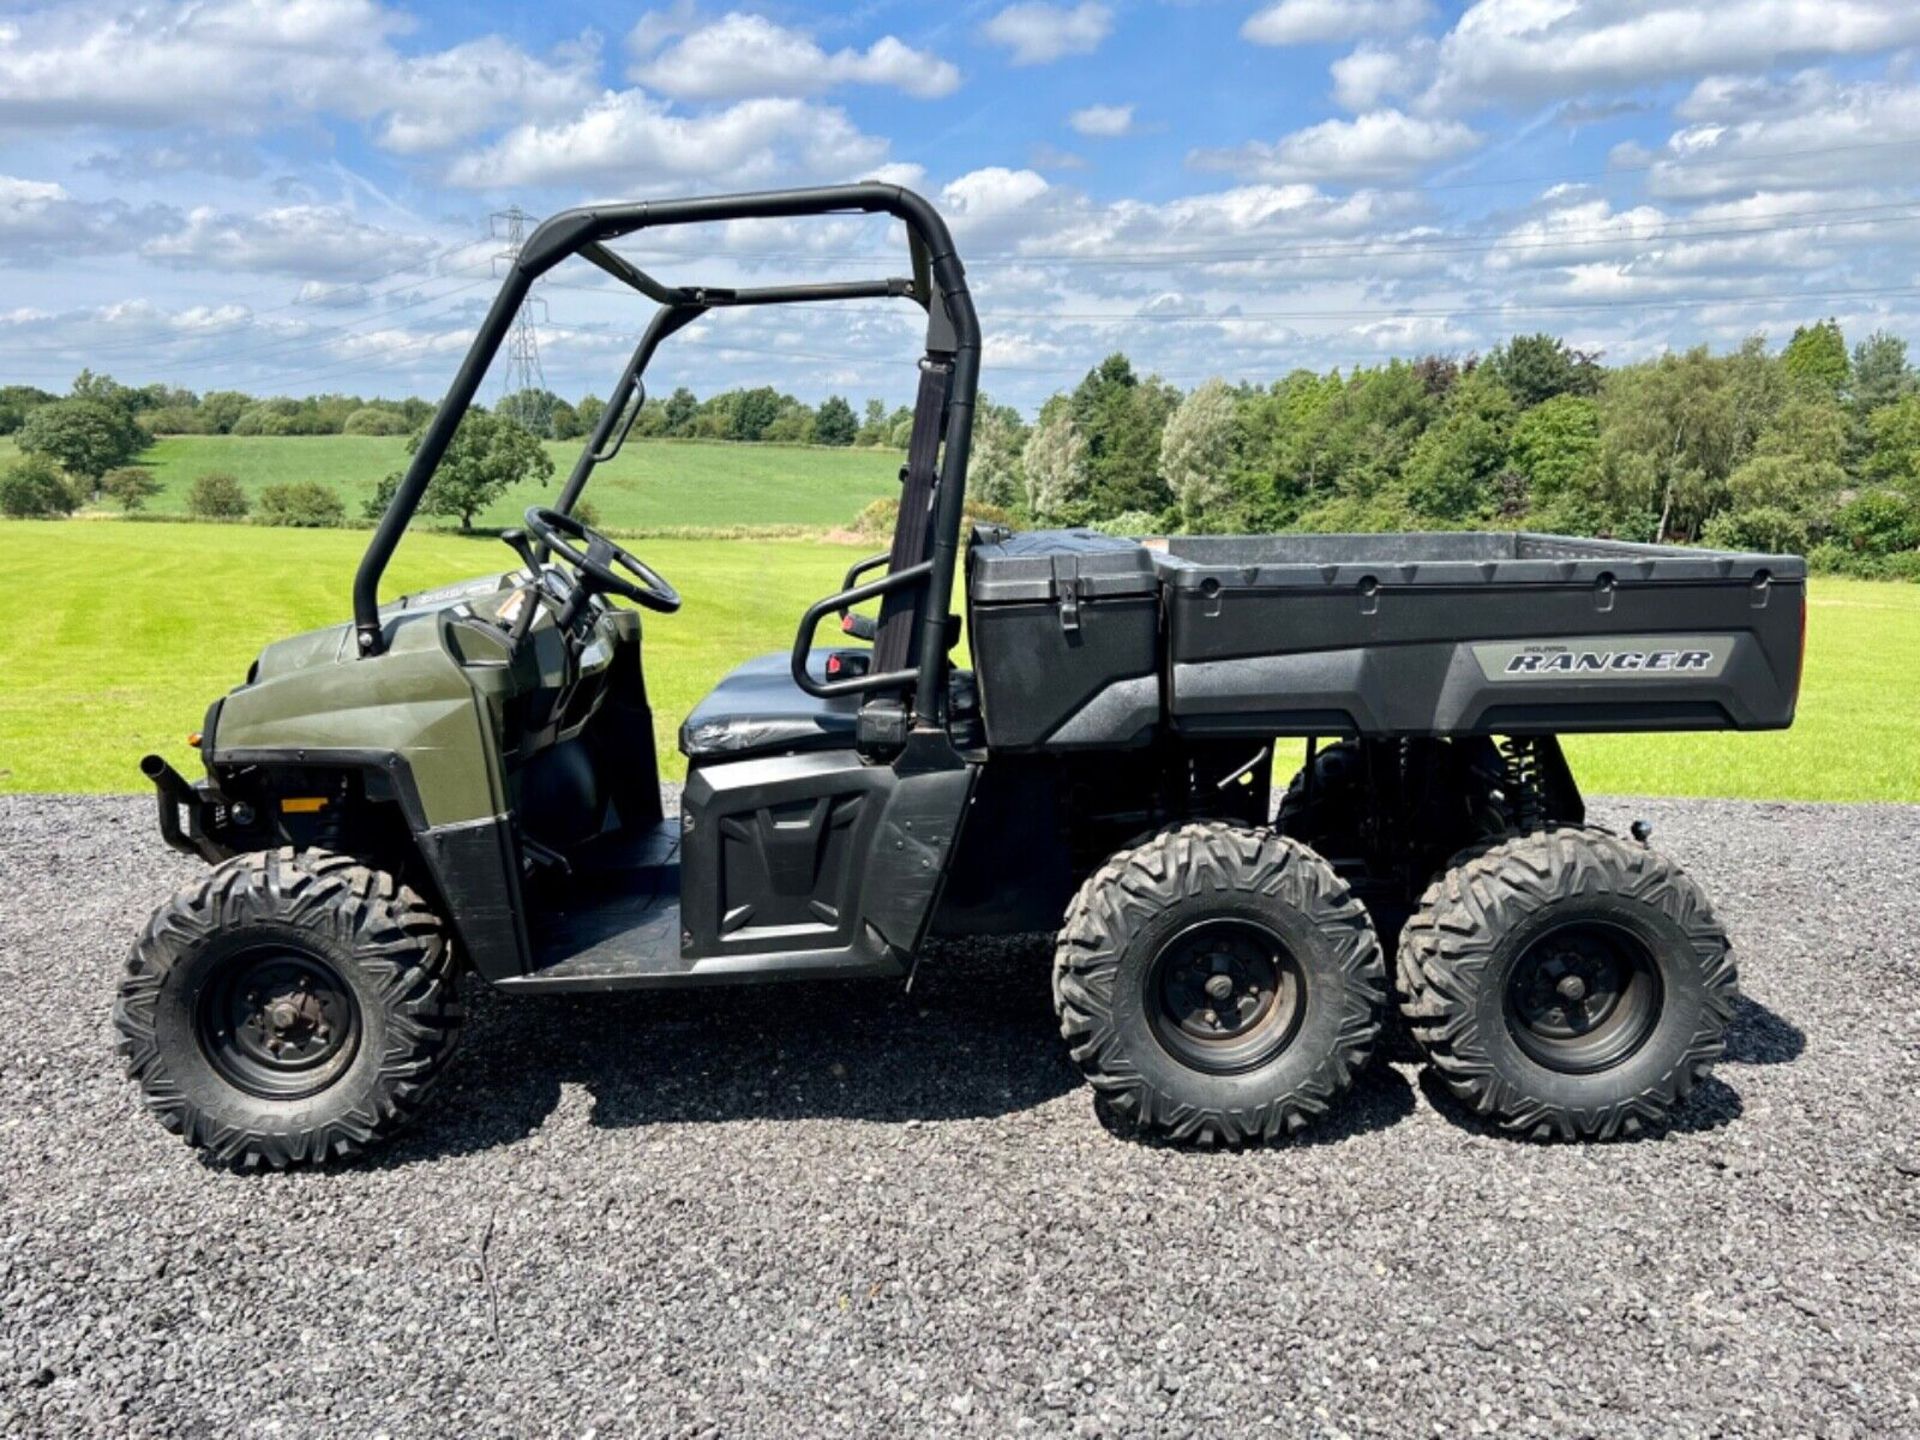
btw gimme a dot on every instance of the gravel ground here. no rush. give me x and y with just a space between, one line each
844 1210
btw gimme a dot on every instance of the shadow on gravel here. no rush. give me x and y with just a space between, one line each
1758 1036
1712 1105
1380 1097
975 1038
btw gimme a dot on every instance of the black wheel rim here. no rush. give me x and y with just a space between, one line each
1583 996
1225 996
279 1022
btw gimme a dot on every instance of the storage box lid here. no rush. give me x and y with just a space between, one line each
1004 566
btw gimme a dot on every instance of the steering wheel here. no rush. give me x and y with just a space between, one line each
598 559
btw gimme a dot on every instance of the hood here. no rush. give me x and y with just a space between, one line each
333 644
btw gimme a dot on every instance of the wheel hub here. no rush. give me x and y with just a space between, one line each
279 1023
1224 996
1583 997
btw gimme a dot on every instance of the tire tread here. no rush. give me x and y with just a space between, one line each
1449 940
1137 884
396 938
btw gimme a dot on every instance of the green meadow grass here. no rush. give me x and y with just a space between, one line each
1856 735
119 635
651 485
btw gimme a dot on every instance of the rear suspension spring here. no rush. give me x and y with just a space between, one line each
1524 791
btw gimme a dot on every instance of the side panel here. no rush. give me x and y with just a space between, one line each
1443 660
815 854
477 867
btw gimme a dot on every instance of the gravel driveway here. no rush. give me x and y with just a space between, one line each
845 1210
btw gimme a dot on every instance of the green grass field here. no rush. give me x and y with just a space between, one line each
651 485
120 635
131 630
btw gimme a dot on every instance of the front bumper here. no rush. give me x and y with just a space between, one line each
190 815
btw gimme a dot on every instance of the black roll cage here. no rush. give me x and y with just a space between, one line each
937 285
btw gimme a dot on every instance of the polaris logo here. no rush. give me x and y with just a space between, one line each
1587 661
1607 657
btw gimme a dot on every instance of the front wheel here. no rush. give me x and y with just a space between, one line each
1567 984
291 1007
1218 985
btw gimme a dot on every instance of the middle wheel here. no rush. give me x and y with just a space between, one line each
1218 984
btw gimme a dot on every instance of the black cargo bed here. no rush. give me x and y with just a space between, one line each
1083 641
1475 633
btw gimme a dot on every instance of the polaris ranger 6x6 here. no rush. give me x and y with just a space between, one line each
461 786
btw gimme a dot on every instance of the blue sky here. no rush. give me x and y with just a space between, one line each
295 196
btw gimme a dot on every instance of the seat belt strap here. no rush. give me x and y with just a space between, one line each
894 646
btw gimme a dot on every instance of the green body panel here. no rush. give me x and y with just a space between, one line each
311 694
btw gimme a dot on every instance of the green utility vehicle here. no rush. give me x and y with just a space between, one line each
461 786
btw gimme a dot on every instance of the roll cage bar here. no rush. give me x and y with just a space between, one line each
937 284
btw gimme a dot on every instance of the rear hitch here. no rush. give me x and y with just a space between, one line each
178 798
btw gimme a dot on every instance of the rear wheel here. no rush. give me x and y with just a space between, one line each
293 1006
1567 984
1218 985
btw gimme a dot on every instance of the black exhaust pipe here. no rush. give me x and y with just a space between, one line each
175 796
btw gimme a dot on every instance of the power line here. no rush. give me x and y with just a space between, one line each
720 345
1371 248
525 347
1448 311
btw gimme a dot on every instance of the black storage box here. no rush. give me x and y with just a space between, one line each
1065 631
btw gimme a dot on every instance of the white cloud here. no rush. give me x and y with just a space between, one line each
1773 183
434 101
1404 335
1037 32
348 296
995 207
1541 49
655 27
242 64
1746 97
1303 22
748 55
1043 225
204 156
42 222
993 191
1856 133
1379 145
1103 122
634 143
324 242
903 173
1364 78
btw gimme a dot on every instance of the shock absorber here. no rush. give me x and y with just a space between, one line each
1525 794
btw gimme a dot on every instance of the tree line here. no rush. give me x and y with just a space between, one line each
1814 448
758 414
